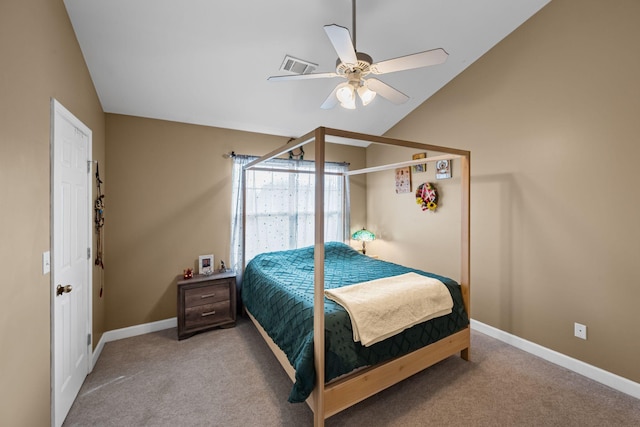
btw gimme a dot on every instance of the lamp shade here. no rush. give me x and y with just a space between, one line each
345 93
366 94
363 235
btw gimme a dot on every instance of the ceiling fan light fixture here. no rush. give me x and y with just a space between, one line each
350 105
366 95
346 94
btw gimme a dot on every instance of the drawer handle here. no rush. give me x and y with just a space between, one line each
207 296
210 313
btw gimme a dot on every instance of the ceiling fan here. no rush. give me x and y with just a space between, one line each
355 66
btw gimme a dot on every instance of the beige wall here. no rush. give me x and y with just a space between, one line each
551 118
404 233
40 59
169 201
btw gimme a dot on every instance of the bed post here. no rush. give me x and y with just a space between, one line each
465 244
243 182
318 297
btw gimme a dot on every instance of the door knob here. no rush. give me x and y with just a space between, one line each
63 290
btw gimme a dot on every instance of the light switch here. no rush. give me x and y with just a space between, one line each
46 262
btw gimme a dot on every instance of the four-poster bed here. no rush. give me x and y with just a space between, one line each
329 398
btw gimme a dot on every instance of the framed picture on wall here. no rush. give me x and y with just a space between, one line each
443 169
403 180
205 264
422 167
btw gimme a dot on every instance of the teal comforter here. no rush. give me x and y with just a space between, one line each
277 289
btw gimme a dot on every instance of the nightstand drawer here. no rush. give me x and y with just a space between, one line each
207 314
207 294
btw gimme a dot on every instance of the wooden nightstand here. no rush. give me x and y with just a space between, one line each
206 302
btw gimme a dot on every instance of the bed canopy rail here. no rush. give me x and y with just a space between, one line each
345 393
403 164
289 146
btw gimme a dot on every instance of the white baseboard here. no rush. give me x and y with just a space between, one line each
131 331
600 375
96 353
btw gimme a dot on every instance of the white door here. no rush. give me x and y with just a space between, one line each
71 259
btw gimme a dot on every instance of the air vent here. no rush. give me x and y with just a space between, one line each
297 66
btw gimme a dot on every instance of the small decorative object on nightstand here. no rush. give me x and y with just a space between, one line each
223 268
205 302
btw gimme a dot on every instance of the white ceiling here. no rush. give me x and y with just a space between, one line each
207 61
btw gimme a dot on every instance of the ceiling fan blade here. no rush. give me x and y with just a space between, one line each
331 101
386 91
417 60
303 76
341 41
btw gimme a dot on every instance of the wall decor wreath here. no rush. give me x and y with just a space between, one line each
427 197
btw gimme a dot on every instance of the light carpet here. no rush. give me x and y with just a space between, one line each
229 377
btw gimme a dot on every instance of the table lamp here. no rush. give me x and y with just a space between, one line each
363 236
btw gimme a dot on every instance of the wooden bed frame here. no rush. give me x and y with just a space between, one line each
328 399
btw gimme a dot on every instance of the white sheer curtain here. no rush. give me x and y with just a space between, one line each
280 207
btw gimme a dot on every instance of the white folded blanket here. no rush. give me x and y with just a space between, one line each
384 307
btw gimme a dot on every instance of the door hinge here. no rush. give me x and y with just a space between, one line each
88 253
89 166
88 339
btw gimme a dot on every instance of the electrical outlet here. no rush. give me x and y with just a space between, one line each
580 331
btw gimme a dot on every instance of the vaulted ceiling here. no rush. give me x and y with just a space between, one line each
207 62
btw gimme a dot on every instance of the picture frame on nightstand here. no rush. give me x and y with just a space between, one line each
205 264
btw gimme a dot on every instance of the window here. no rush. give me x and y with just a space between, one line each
280 207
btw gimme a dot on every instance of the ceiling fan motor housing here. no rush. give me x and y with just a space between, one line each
363 65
